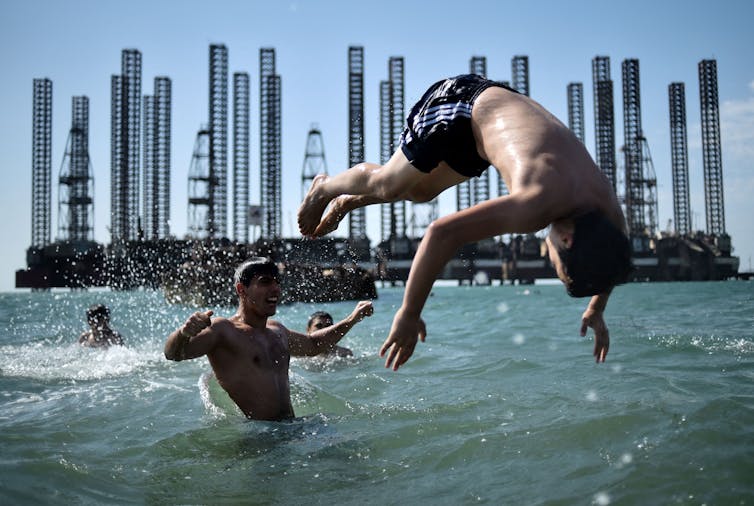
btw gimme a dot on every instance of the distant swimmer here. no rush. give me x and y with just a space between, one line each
320 320
249 353
457 129
100 334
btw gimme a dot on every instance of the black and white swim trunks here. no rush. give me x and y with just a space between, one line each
439 126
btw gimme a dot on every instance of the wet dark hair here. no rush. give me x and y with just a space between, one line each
255 266
97 310
318 314
599 257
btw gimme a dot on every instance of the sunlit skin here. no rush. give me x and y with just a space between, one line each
249 353
550 177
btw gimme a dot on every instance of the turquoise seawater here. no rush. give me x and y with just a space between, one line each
503 404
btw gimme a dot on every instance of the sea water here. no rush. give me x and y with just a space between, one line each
503 404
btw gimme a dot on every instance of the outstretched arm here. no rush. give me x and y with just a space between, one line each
194 338
593 317
324 339
508 214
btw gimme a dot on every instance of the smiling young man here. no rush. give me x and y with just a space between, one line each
248 352
460 127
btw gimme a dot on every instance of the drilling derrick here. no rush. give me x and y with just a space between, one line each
217 222
125 149
156 112
520 73
576 109
393 223
604 118
679 158
270 144
199 183
314 159
41 163
241 157
711 152
632 132
357 225
75 205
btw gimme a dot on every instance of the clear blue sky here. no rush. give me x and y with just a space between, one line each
78 44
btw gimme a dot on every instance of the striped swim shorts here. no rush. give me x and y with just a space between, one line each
439 126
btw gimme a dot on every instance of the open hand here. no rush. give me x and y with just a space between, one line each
401 342
593 318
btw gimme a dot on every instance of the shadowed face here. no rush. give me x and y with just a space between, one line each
319 322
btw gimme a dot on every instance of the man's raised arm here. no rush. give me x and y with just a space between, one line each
324 339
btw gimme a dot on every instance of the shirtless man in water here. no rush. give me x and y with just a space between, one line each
100 333
456 130
249 353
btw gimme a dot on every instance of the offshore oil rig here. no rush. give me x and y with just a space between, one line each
196 269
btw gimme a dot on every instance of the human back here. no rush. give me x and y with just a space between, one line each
534 151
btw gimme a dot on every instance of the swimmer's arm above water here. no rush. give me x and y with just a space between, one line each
519 213
194 338
593 317
325 339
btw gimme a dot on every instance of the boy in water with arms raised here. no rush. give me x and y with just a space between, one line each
456 130
248 352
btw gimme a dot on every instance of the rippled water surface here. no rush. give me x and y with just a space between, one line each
502 405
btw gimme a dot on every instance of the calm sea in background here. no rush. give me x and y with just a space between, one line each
503 404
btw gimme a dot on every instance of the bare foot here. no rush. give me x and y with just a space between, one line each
311 209
333 217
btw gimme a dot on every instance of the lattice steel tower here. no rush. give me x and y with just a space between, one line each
41 162
392 97
632 133
125 148
270 144
711 151
241 92
679 158
604 118
314 159
75 204
157 123
217 218
520 74
357 224
576 109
